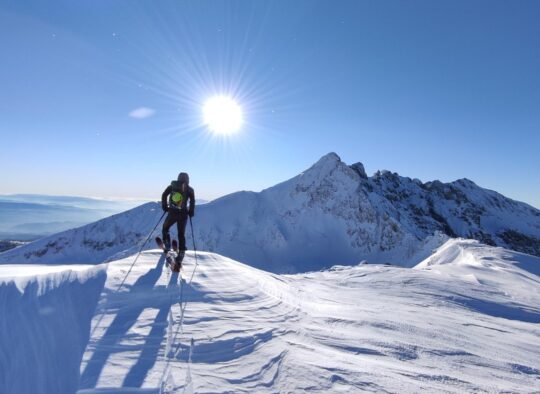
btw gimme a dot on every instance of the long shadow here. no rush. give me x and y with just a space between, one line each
494 309
225 350
147 359
124 320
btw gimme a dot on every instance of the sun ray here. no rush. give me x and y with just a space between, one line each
222 115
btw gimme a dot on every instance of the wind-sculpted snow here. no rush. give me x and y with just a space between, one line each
465 320
331 213
490 268
45 325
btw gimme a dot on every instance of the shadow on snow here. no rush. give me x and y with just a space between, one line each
125 318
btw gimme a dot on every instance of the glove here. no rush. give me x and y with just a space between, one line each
164 207
191 213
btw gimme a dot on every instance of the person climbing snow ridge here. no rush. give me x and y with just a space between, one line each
174 200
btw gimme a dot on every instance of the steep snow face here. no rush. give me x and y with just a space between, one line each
320 217
331 213
465 320
45 325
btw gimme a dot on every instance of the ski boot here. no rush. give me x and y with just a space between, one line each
166 246
178 260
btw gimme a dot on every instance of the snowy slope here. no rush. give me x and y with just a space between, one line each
45 315
90 244
464 320
331 213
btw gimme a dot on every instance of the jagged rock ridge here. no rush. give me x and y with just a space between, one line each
332 213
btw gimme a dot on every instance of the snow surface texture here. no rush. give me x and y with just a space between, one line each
330 214
45 325
464 320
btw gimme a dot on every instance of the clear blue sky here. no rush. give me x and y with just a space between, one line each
430 89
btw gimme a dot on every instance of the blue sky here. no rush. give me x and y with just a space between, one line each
433 90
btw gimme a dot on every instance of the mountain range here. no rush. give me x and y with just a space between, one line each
464 318
31 216
332 213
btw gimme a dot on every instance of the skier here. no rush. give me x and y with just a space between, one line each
174 200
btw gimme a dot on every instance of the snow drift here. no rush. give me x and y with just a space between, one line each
332 213
464 320
45 325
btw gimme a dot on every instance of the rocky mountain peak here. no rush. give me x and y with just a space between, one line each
328 161
360 170
331 212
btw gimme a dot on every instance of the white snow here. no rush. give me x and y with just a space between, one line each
330 214
464 320
45 315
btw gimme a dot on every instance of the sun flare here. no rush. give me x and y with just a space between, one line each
222 115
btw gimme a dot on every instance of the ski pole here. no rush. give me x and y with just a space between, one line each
192 234
142 247
127 273
149 235
193 238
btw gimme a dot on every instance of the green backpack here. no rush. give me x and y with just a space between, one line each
178 194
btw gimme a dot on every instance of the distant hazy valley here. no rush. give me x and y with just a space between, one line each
26 217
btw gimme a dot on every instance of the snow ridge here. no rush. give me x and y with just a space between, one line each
45 326
355 329
331 213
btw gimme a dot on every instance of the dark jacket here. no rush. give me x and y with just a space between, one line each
188 194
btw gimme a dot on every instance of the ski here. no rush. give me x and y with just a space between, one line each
173 257
179 258
176 265
171 262
160 243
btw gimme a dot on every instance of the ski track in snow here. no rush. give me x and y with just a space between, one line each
464 320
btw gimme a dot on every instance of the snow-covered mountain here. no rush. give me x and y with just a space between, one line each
331 213
464 320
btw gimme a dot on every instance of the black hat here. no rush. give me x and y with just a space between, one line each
183 177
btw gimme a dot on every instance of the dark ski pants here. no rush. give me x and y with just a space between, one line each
180 218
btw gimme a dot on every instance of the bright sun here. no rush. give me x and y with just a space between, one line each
222 115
